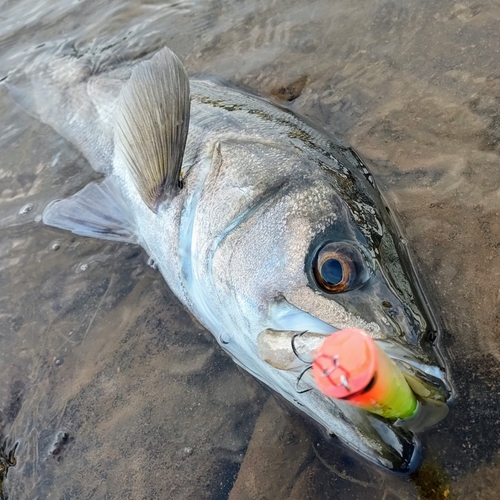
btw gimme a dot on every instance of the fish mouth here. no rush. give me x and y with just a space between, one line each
415 364
390 442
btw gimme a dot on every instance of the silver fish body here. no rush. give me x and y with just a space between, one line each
262 194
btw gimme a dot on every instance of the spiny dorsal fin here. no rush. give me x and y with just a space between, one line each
152 119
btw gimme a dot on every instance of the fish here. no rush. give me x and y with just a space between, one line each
240 202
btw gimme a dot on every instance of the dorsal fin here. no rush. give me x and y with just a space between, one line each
151 125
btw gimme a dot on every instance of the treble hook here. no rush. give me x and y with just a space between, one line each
294 349
299 378
305 361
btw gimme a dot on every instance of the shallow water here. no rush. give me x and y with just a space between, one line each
112 390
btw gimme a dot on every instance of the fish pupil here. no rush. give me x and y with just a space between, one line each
331 271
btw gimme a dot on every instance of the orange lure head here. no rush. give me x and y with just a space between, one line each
349 365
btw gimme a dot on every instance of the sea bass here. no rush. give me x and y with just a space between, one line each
259 223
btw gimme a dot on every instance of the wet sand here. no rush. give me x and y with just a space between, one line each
113 391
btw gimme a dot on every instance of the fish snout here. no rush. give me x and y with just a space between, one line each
401 321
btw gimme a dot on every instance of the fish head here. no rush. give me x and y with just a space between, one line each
323 253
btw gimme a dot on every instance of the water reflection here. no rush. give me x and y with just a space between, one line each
111 389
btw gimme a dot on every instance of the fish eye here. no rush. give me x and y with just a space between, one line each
339 267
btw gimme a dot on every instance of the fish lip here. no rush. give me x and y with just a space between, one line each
291 318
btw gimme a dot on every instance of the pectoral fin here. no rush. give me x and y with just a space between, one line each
151 126
98 210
